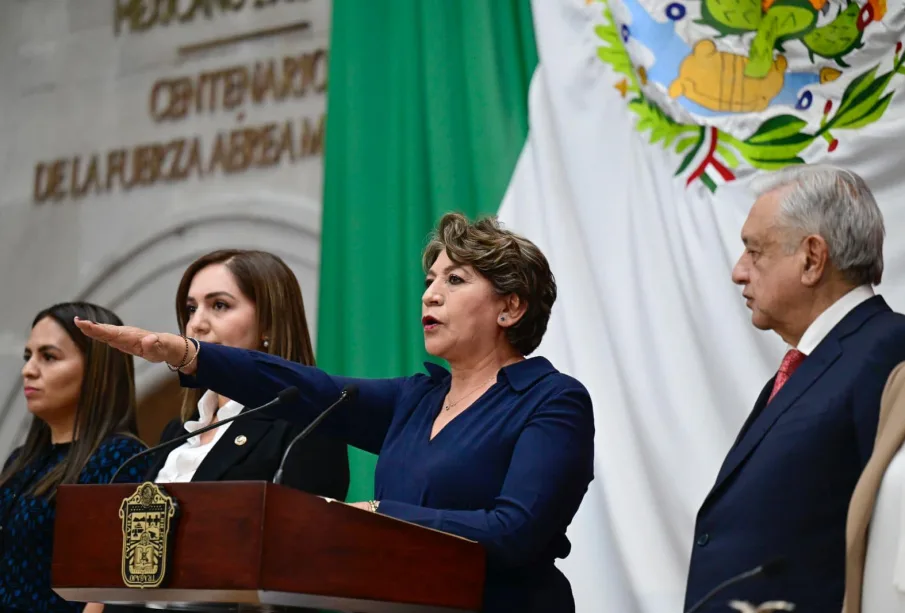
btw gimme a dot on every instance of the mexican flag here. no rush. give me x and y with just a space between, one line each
620 136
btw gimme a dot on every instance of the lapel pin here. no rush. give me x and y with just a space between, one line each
241 440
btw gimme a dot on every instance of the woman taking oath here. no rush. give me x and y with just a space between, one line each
250 300
81 395
498 449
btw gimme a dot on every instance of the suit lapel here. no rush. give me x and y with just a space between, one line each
827 352
227 452
158 464
803 378
758 408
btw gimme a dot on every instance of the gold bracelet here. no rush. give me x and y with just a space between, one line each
194 357
185 356
373 504
183 363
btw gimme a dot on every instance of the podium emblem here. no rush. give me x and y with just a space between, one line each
149 518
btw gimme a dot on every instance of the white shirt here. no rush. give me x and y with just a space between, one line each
183 461
828 320
884 565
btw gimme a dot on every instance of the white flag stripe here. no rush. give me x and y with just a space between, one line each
647 316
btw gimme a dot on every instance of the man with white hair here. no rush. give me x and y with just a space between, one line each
813 252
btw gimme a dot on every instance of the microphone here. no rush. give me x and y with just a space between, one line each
287 396
350 392
769 569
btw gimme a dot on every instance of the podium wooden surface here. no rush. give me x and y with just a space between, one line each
255 543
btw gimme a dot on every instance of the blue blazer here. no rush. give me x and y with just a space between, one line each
509 472
784 488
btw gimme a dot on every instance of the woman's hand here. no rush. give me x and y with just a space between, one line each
150 346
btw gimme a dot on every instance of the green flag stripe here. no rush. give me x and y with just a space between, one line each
427 113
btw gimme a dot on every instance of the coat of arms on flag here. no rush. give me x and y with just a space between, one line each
731 85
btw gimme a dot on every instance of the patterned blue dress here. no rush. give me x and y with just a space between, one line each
26 536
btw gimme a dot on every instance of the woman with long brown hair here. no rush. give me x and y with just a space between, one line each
81 395
250 300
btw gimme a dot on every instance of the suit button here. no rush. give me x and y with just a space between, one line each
703 539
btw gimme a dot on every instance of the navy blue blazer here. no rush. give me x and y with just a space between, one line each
509 472
784 488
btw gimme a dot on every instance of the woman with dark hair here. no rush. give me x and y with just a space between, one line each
250 300
499 449
81 395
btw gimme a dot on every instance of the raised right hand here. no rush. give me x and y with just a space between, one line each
150 346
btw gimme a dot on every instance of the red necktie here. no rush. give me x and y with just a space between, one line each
790 363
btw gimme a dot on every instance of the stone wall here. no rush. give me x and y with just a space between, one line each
136 135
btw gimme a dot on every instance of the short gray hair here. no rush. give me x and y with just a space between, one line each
836 204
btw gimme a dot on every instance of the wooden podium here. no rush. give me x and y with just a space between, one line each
263 546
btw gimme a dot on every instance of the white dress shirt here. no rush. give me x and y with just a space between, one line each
183 461
828 320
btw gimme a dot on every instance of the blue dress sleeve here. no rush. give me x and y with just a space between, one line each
111 454
253 378
552 465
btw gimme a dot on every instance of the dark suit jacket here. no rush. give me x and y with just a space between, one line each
318 465
784 488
